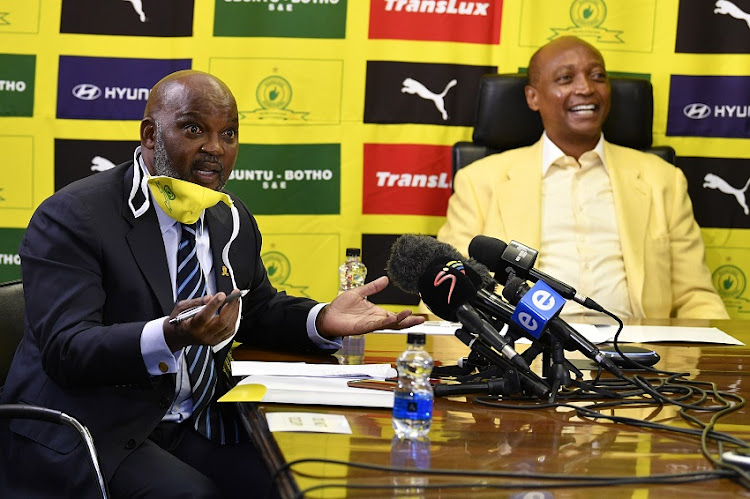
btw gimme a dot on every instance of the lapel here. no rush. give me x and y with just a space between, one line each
632 207
145 242
519 191
219 222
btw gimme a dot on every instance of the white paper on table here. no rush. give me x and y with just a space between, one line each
323 391
251 367
428 328
602 333
651 334
307 422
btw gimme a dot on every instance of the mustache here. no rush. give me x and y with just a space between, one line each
209 158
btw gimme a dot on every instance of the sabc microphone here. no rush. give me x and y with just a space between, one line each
412 254
517 258
536 310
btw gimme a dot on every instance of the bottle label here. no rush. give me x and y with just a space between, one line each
417 406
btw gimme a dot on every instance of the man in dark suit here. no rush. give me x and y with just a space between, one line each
102 270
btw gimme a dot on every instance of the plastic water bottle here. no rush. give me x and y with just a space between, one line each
352 274
412 402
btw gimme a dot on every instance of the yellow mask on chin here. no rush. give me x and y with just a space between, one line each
182 200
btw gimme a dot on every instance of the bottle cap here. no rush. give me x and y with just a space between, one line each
415 338
352 252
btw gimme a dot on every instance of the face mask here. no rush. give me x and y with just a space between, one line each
182 200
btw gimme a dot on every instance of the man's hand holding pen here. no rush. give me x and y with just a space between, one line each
202 321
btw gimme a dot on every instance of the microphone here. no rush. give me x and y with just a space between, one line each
411 256
537 308
436 271
516 258
446 290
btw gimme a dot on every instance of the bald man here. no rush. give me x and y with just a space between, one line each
107 263
615 223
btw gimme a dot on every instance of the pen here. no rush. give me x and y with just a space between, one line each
186 314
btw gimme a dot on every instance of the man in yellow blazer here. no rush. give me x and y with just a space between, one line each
615 223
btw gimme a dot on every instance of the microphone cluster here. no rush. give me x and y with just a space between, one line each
462 290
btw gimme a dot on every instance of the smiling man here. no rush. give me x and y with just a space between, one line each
107 264
615 223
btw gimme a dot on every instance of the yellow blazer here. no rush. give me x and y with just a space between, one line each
663 252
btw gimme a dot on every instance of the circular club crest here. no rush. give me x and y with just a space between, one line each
277 266
729 281
589 13
274 92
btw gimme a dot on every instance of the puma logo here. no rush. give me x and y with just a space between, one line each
100 164
712 181
412 86
730 9
138 7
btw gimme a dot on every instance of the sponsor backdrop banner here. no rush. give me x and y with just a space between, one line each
348 109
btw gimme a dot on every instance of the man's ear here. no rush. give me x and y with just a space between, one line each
531 95
148 133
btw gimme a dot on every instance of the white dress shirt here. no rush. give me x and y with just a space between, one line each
580 243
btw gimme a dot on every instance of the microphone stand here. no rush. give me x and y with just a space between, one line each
559 373
531 384
464 367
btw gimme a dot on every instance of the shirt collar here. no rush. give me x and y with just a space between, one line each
165 221
551 153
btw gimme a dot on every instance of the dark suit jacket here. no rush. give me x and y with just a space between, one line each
93 276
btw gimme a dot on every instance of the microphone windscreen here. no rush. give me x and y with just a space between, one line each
489 251
479 275
444 287
411 255
514 290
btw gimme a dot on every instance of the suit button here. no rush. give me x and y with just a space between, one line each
163 367
130 444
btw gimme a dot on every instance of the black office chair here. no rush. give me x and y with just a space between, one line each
504 121
12 305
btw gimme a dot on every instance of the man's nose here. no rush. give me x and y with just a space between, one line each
583 85
213 145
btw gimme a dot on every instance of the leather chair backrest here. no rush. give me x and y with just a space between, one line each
504 120
12 306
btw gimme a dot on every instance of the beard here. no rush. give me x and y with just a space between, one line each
163 163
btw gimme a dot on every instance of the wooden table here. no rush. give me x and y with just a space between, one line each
467 435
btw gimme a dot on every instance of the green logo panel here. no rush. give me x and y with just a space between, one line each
288 179
281 18
17 84
10 262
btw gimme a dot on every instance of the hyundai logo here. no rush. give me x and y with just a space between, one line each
697 111
87 91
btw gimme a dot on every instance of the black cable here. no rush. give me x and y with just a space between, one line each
564 480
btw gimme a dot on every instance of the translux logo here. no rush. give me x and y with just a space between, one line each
438 7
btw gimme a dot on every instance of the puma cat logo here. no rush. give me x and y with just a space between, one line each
100 164
412 86
138 7
712 181
730 9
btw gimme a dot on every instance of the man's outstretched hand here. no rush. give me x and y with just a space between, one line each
351 313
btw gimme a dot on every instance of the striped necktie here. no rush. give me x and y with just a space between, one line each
191 283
